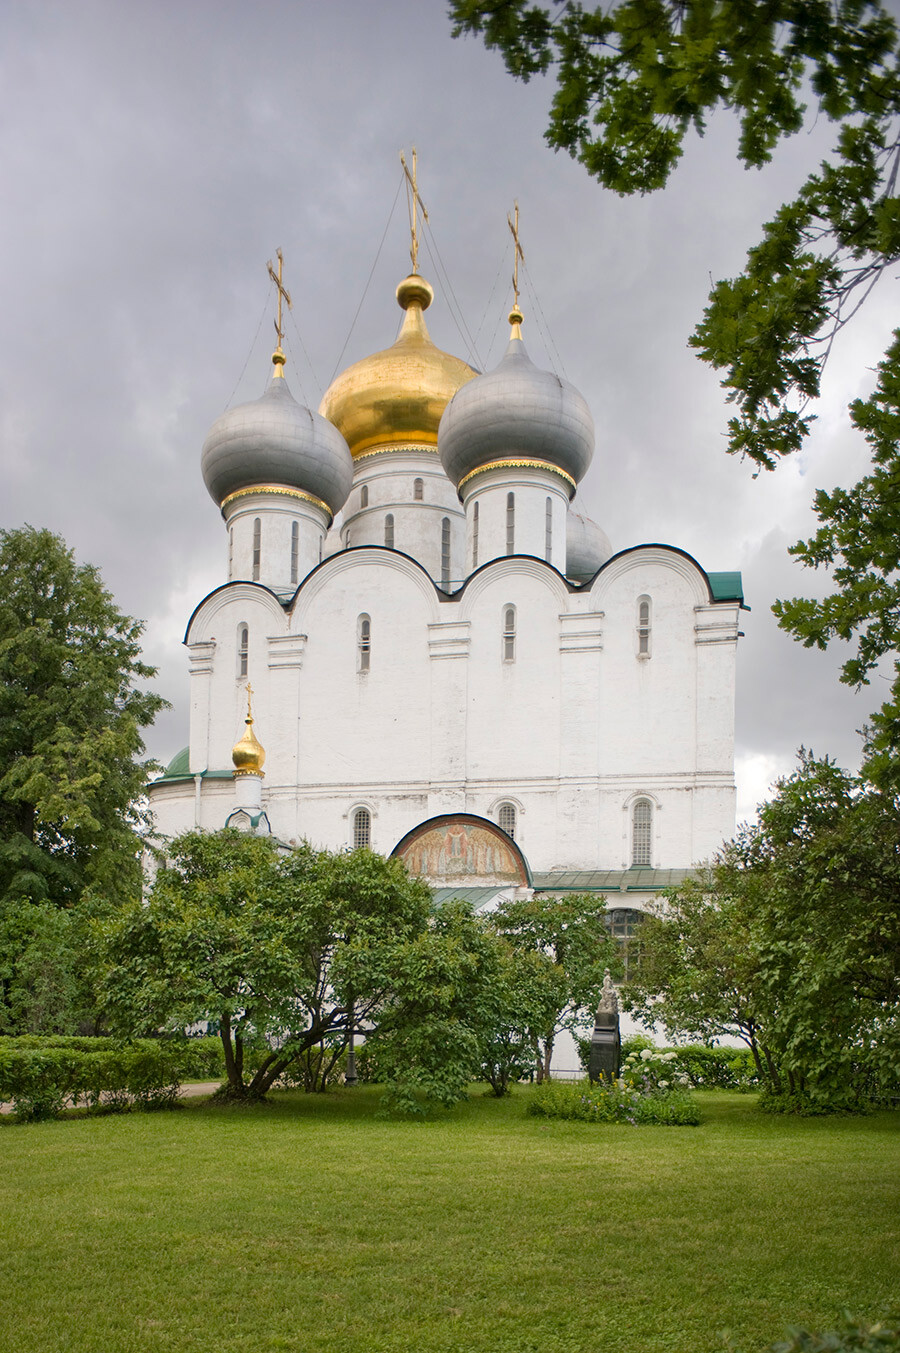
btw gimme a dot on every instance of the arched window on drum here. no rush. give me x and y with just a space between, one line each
362 828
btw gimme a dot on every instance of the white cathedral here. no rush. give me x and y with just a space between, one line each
447 661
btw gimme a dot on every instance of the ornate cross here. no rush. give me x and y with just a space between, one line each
413 202
514 229
249 718
282 292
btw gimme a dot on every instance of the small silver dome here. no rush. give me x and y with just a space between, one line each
275 440
516 410
587 547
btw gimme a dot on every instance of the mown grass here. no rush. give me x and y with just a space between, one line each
309 1224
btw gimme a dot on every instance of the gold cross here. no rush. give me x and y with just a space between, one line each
249 718
282 292
514 228
413 200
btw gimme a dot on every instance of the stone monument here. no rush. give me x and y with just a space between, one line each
606 1044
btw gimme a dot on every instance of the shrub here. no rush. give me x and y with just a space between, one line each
41 1080
618 1103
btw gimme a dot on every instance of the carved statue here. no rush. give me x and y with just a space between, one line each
606 1046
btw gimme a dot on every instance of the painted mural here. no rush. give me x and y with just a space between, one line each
462 850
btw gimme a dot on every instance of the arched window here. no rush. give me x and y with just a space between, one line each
363 643
509 633
624 923
364 496
418 490
243 650
641 832
548 530
506 819
445 552
643 627
362 828
295 550
510 523
257 547
389 530
475 535
230 549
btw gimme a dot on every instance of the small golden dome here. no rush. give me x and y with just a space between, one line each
248 754
395 398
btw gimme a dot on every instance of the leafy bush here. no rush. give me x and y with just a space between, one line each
618 1103
44 1075
807 1105
706 1068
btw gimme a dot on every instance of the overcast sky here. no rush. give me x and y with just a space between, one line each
153 156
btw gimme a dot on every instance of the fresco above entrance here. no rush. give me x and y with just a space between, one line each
460 848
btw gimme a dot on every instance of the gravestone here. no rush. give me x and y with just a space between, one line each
606 1046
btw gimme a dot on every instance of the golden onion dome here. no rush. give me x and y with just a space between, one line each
248 754
394 399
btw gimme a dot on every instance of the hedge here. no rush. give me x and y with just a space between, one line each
41 1076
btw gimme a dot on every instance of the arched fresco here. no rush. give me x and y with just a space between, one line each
460 848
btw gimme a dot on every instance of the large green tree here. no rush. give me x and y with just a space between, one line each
71 726
791 940
289 951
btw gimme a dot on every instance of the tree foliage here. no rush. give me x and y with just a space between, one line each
71 721
283 951
635 78
791 940
571 948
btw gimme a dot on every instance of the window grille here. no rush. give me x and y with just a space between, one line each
418 490
624 924
295 550
510 523
445 552
257 547
506 819
364 643
362 828
509 634
641 832
389 530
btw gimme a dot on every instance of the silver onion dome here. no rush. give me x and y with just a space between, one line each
587 547
274 441
516 410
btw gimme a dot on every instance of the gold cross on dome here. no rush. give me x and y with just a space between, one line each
249 696
517 254
282 293
413 201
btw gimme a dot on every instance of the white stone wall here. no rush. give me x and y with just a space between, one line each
572 730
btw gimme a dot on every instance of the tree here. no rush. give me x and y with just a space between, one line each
636 77
283 951
570 934
71 722
791 940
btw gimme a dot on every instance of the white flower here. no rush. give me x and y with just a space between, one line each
669 1056
663 1085
647 1054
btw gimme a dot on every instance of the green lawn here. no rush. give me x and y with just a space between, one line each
309 1224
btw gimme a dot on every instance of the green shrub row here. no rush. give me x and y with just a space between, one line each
41 1081
612 1104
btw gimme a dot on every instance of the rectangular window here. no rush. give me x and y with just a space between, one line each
475 535
548 530
445 552
257 547
510 523
295 550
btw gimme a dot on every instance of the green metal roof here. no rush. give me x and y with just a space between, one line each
726 586
636 880
476 897
179 768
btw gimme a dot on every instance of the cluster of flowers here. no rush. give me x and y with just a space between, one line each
651 1072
